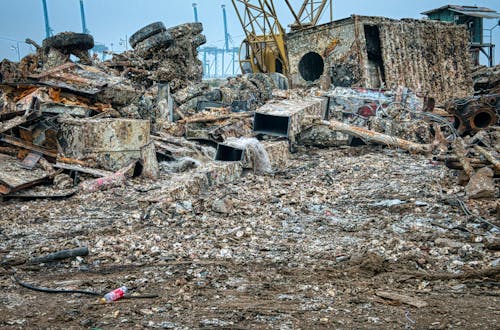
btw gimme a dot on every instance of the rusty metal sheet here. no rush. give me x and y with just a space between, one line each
60 108
13 177
78 78
30 161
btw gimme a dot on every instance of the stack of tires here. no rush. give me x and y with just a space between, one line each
169 55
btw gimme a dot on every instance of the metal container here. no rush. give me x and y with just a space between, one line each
110 143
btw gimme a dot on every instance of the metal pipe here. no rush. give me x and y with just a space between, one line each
48 30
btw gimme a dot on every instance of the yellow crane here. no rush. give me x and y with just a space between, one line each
264 47
309 13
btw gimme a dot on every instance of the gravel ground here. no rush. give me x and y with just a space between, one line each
307 247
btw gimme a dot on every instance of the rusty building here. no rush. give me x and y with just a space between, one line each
427 56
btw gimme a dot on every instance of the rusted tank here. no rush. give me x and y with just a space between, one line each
111 143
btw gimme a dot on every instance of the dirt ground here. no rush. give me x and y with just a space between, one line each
307 247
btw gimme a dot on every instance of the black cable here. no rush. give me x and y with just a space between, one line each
48 290
92 293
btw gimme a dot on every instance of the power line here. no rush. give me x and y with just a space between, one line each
10 39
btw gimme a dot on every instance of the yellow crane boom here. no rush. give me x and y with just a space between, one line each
264 47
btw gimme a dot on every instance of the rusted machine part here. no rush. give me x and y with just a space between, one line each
482 118
380 138
474 114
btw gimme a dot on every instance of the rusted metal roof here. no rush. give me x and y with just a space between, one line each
467 10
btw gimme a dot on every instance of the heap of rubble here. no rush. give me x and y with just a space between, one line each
150 105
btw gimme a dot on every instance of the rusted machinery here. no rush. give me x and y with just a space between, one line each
474 113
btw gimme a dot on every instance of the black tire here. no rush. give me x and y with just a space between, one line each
199 40
69 41
159 40
180 31
146 32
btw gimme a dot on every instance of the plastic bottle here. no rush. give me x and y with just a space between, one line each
114 295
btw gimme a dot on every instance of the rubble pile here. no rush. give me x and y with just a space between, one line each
486 79
227 199
162 55
94 118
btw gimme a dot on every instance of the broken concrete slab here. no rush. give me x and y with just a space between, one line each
481 184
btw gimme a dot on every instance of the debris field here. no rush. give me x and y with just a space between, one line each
250 202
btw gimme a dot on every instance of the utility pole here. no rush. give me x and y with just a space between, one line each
48 30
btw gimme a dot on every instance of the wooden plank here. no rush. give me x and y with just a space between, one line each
78 168
27 145
402 298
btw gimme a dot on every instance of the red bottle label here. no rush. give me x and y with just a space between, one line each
117 294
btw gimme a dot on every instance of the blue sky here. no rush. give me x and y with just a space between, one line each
111 21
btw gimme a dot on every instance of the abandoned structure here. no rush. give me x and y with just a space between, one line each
472 17
425 56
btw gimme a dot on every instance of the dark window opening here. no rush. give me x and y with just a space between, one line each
311 66
374 52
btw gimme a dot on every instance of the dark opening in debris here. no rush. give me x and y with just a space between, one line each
229 154
279 66
375 62
269 124
482 120
311 66
456 122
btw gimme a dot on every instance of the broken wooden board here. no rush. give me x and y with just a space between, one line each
13 177
87 170
412 301
28 146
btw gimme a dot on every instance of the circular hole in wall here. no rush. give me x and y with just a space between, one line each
311 66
